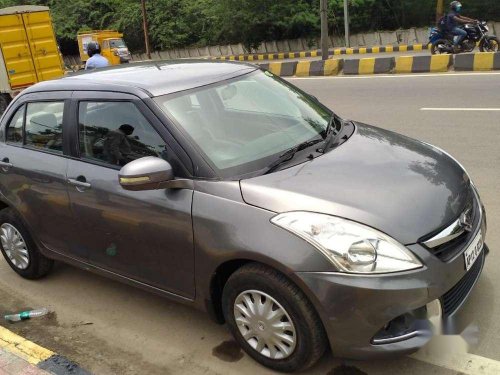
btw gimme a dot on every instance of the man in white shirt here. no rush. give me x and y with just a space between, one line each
96 60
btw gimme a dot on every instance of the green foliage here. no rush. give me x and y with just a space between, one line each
182 23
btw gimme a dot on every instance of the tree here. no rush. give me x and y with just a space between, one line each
184 23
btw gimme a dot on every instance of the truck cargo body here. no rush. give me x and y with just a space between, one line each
28 48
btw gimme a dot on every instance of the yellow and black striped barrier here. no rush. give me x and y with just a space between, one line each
328 67
387 65
369 66
482 61
317 53
269 56
379 49
423 64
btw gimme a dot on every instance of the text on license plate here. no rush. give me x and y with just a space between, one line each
473 251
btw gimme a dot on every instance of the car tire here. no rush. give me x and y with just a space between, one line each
25 259
300 323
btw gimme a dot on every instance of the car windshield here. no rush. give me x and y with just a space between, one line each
243 124
117 43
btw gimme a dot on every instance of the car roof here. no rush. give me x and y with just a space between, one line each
155 78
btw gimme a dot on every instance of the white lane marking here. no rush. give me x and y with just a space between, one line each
460 109
451 352
415 75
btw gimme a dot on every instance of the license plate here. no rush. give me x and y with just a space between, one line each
473 251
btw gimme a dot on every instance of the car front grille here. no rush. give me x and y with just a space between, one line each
449 250
454 298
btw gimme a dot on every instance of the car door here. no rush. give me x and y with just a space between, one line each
143 235
33 155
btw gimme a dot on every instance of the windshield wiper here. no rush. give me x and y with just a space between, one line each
290 153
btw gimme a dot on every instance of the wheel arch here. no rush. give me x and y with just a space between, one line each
213 304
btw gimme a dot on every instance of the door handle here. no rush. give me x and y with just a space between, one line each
79 183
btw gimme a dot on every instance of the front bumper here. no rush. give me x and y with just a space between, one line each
354 309
125 58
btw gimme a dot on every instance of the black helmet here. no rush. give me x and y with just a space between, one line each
456 6
93 48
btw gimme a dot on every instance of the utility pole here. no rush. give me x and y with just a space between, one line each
324 29
439 9
346 23
145 27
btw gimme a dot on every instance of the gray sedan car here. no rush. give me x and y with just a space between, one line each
224 187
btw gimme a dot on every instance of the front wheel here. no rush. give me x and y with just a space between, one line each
272 319
489 44
441 47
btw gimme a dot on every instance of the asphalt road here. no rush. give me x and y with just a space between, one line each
111 328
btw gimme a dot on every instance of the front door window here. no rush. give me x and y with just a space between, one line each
116 133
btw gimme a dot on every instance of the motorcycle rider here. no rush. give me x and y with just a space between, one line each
96 60
453 22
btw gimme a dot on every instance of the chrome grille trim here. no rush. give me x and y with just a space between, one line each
453 231
463 224
450 242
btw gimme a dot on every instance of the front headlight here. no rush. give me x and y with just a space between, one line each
350 246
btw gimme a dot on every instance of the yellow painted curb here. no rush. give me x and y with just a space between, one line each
367 66
440 63
404 64
22 347
332 67
303 68
483 61
275 68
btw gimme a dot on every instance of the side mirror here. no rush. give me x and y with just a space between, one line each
148 173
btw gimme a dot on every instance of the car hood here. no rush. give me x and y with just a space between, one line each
390 182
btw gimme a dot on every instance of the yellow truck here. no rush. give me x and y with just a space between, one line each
111 42
28 50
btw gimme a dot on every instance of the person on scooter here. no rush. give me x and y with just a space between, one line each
453 22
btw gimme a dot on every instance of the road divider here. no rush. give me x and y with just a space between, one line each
423 64
369 66
328 67
481 61
317 53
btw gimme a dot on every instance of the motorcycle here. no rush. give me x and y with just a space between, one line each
477 34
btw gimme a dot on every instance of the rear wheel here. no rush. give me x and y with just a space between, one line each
272 319
489 44
19 249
